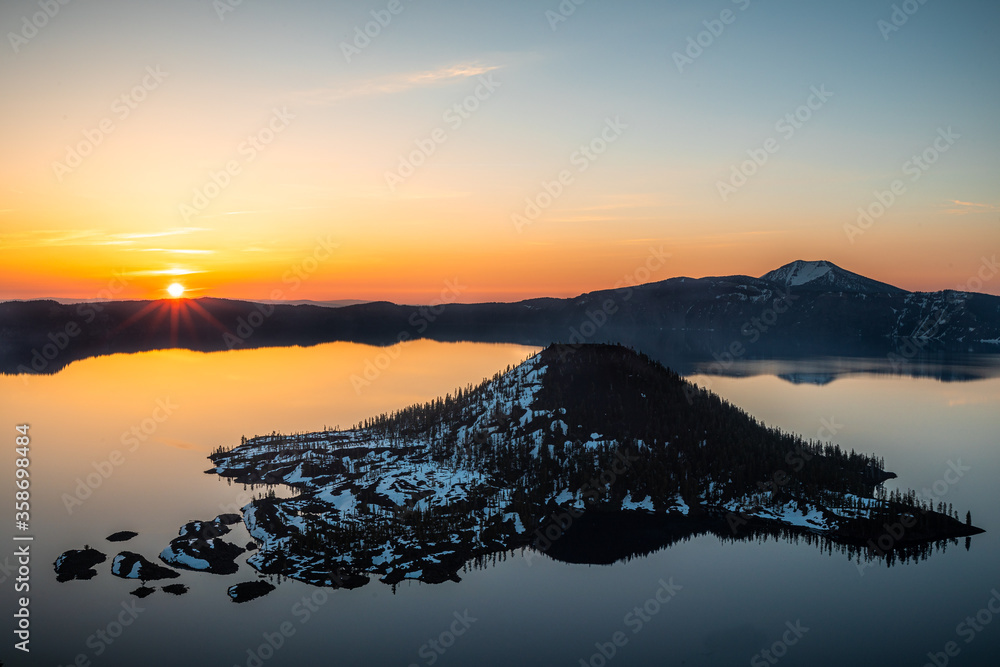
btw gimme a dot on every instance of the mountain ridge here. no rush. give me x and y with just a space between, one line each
835 313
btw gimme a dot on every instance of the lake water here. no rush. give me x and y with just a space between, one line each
120 442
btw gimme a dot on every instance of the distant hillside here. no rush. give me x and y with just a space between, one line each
573 443
309 302
802 309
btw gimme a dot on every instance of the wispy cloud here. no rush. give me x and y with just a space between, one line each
228 213
41 238
396 83
164 272
178 444
965 207
179 251
601 218
47 238
168 232
631 207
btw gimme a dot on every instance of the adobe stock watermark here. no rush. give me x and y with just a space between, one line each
121 108
364 34
798 457
779 649
433 649
635 620
967 630
420 320
582 158
223 7
132 439
220 180
714 28
595 320
899 16
932 324
752 329
60 339
294 277
591 491
988 270
796 460
243 498
455 116
102 638
562 12
37 21
7 569
303 610
953 474
915 168
913 345
786 126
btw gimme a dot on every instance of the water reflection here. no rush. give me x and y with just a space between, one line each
80 415
824 370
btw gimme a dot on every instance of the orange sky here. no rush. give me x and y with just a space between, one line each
414 270
248 257
496 153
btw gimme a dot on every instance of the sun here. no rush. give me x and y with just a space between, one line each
176 290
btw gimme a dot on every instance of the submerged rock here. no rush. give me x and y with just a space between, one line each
143 591
130 565
175 589
121 536
249 590
199 548
78 564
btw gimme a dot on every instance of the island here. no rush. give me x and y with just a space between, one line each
586 453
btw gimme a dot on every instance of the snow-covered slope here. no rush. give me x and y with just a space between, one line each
384 491
514 461
826 276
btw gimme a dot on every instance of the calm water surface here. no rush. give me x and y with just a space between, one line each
158 415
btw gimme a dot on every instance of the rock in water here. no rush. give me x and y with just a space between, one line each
203 529
78 564
228 519
249 590
121 536
175 589
130 565
143 591
199 548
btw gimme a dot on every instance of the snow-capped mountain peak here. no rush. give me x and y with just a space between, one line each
800 273
826 276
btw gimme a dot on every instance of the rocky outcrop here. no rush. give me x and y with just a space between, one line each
199 547
249 590
130 565
78 564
